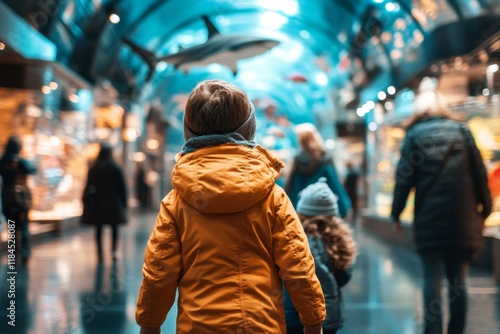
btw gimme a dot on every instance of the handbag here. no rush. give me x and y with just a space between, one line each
17 198
23 198
89 199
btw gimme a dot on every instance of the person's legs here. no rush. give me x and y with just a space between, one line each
433 266
24 238
115 240
98 239
25 242
456 274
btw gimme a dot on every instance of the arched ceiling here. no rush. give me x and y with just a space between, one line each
329 49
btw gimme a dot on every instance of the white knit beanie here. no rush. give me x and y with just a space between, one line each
318 199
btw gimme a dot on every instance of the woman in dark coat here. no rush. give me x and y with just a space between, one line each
16 195
311 163
105 198
440 160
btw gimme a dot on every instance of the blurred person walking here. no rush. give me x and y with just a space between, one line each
440 160
105 198
226 236
334 251
16 195
142 187
351 187
311 163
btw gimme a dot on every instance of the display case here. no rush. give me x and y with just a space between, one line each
383 152
56 142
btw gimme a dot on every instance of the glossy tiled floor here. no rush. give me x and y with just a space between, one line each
63 290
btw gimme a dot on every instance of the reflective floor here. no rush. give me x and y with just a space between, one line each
64 290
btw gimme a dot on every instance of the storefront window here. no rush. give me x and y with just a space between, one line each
56 142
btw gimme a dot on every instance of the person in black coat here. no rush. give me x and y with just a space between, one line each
440 160
351 187
105 198
16 195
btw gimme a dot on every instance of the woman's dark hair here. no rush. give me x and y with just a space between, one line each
105 155
14 145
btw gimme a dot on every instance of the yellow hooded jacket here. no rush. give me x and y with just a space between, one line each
227 237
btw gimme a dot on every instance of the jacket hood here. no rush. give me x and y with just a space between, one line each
226 178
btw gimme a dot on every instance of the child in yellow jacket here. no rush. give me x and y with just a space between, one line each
226 236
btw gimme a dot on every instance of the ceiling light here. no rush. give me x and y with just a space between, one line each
139 156
73 98
53 85
330 144
46 89
2 46
152 144
272 20
396 54
381 95
391 90
288 7
114 18
304 34
291 8
162 65
322 79
492 68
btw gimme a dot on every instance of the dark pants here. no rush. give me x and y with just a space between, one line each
23 244
98 237
24 234
452 264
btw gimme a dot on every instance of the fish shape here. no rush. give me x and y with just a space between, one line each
220 49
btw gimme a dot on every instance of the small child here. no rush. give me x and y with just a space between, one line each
226 236
334 251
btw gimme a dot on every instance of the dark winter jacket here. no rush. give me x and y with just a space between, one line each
306 171
451 212
14 171
105 196
331 282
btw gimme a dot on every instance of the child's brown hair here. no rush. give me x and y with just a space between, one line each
337 237
218 107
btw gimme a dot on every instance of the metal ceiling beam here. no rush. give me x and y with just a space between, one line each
348 6
23 38
145 14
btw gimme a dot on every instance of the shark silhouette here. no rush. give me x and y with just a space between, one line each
221 49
